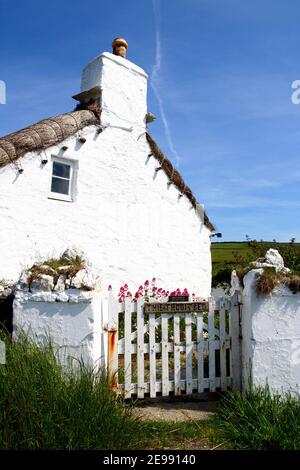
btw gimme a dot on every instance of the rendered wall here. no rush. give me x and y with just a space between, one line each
271 337
74 323
124 90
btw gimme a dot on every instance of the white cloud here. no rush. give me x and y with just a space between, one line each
154 81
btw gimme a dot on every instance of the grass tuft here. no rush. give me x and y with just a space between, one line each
52 267
267 281
260 421
292 282
179 435
42 407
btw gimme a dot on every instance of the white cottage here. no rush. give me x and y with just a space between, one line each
95 178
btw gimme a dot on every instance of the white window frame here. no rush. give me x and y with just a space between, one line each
73 164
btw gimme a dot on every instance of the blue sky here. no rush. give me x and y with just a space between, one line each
221 74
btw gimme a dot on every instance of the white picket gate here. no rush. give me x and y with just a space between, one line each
150 354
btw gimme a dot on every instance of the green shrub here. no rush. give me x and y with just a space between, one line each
291 256
259 421
42 407
221 277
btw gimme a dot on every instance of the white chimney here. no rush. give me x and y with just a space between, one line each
121 86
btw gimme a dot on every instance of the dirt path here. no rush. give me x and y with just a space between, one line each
175 410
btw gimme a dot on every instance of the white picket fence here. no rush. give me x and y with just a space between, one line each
178 353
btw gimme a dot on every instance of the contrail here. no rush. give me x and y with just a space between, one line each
154 79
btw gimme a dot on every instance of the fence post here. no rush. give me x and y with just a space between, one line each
235 321
140 348
211 345
112 328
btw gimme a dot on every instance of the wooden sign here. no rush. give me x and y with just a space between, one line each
176 307
178 298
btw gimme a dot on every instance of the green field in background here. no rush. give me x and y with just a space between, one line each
224 254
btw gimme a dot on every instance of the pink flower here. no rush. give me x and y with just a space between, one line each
150 290
109 287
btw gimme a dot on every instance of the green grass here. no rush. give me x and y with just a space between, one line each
224 252
254 421
227 256
260 421
192 434
42 408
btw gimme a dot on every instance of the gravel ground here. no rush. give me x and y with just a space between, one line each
175 411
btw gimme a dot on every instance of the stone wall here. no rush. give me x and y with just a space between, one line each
71 317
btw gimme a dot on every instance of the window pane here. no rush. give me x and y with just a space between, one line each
60 169
60 186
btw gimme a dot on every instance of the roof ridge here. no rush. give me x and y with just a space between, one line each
176 179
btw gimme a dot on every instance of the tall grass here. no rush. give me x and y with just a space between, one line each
43 408
260 421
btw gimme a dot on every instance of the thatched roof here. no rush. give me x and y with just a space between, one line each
54 130
175 177
44 134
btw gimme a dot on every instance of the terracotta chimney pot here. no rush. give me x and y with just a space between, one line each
120 46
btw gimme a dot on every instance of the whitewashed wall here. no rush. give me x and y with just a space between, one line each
271 337
124 90
131 224
73 320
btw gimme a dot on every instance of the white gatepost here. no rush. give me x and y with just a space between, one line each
236 351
